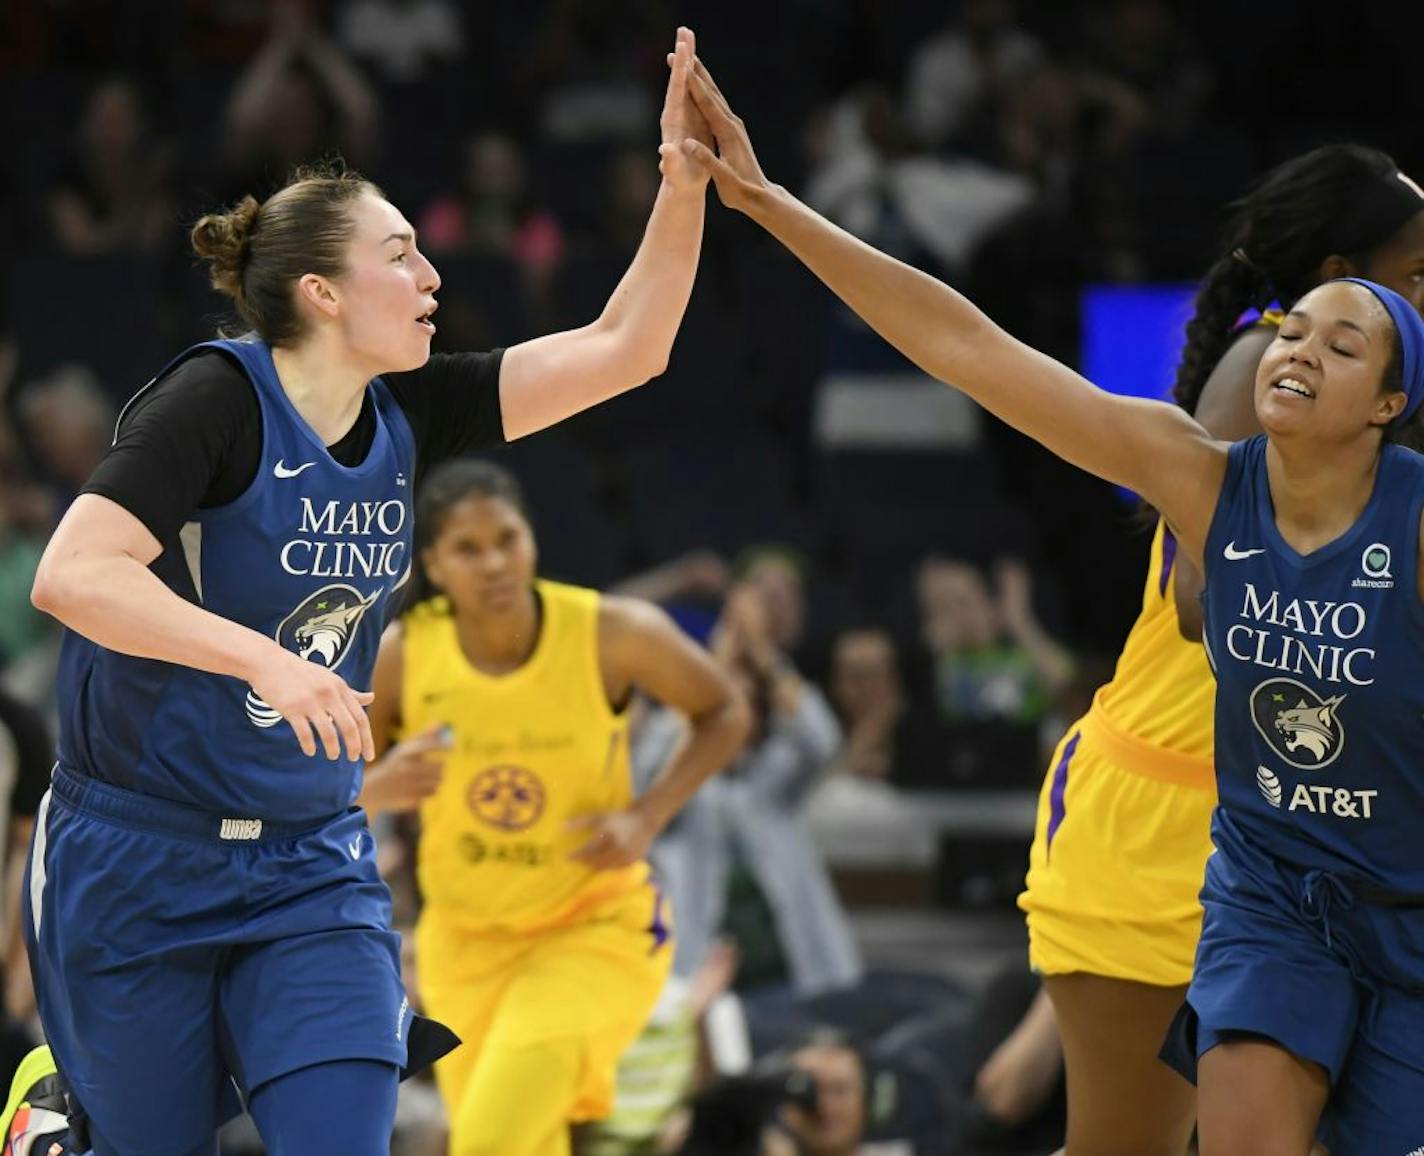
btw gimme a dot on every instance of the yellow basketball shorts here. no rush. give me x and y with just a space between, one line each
1118 858
591 985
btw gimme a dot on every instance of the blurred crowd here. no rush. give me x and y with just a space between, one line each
916 600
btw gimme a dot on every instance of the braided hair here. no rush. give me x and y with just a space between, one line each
1304 210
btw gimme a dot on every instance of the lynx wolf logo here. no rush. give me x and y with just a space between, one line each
1301 727
320 629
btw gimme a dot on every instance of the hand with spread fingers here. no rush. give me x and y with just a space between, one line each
682 119
733 167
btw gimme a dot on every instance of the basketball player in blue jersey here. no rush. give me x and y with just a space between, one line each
205 912
1306 1011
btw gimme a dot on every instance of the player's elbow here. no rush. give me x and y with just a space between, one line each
640 366
47 590
636 355
56 588
736 719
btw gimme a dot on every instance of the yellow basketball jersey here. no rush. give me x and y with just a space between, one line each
532 749
1156 713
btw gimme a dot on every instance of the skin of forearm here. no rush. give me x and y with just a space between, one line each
120 604
942 332
901 303
712 742
646 308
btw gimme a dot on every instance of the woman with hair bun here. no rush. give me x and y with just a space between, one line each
205 910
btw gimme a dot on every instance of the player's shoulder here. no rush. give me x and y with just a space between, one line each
619 614
208 381
206 368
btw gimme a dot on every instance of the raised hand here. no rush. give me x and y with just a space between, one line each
314 700
734 166
681 119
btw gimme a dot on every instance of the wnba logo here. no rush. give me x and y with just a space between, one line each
510 798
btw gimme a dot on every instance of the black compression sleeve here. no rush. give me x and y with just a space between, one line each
452 404
194 439
191 440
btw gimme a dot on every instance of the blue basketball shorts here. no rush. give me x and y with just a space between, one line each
182 960
1306 960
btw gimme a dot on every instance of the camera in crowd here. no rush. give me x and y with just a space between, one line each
728 1117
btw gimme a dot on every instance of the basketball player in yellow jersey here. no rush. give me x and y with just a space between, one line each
543 942
1123 826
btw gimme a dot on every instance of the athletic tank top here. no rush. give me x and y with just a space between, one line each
1160 697
1319 661
308 555
532 749
1156 713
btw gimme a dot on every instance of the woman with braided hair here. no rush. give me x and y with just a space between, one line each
1310 947
1124 816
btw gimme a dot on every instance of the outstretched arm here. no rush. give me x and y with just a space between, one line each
1151 447
553 377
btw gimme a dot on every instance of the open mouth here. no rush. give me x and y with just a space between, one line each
424 320
1293 386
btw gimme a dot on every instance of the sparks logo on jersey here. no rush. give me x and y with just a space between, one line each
1300 726
320 630
508 797
1375 562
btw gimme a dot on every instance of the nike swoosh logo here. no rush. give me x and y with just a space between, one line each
1232 554
355 847
281 470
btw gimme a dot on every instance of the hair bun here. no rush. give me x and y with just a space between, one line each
222 240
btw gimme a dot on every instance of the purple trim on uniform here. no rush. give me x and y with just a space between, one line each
658 928
1169 556
1060 785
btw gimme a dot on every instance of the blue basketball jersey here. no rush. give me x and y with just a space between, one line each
309 555
1319 662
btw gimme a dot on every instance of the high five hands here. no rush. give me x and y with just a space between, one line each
682 120
733 166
